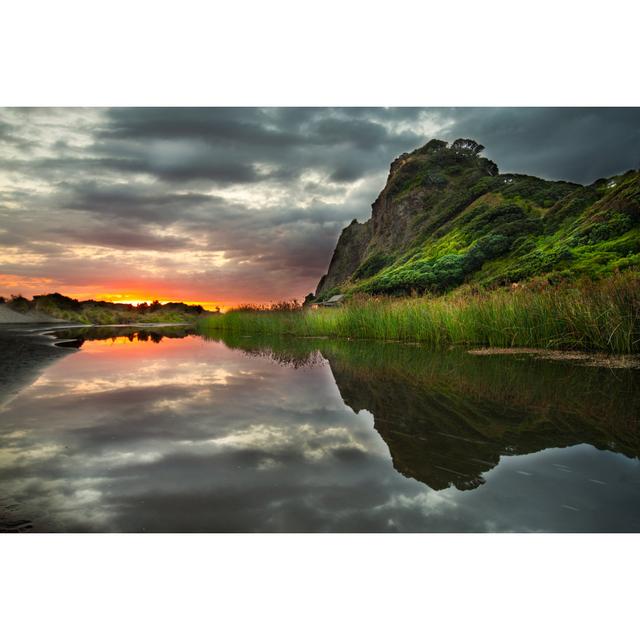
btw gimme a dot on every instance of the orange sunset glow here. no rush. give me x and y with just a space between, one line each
136 298
17 285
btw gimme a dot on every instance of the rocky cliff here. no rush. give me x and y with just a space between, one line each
446 216
348 255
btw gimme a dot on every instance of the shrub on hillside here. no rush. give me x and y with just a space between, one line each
372 265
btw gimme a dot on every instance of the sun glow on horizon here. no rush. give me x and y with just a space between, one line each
137 298
30 287
122 292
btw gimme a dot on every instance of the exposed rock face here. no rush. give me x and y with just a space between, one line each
392 224
347 256
446 216
416 181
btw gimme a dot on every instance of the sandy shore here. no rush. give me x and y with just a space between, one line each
27 348
24 352
9 316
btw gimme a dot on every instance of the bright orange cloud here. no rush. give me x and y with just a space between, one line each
10 280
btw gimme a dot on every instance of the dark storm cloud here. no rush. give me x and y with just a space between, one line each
195 163
237 126
360 133
576 144
277 128
171 165
225 144
129 202
5 132
121 238
271 188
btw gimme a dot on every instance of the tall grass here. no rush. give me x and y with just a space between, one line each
596 316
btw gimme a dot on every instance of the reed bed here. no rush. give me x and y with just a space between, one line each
590 315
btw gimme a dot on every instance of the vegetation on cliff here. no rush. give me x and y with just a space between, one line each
447 217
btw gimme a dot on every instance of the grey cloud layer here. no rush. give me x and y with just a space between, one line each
271 188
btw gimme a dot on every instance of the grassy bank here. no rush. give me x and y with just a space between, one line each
598 316
98 316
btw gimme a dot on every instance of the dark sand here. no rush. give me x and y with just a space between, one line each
9 316
24 351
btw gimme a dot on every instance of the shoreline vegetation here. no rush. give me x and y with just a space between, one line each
588 315
55 307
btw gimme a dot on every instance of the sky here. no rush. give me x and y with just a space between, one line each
220 206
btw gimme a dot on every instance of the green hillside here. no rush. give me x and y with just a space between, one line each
447 217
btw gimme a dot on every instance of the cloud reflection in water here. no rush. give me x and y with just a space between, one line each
190 435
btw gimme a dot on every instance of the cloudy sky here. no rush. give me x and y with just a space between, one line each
226 205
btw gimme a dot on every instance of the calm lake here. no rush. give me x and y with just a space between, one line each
157 429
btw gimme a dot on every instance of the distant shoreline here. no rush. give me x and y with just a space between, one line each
54 308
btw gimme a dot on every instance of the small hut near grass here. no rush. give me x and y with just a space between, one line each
333 301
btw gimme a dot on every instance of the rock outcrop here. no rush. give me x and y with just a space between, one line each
349 253
446 216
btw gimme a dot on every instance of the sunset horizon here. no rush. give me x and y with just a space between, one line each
133 298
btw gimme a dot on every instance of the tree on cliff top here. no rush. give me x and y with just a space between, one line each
467 145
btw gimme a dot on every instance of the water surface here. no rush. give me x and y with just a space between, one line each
155 429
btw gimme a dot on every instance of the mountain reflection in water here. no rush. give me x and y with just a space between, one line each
156 429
